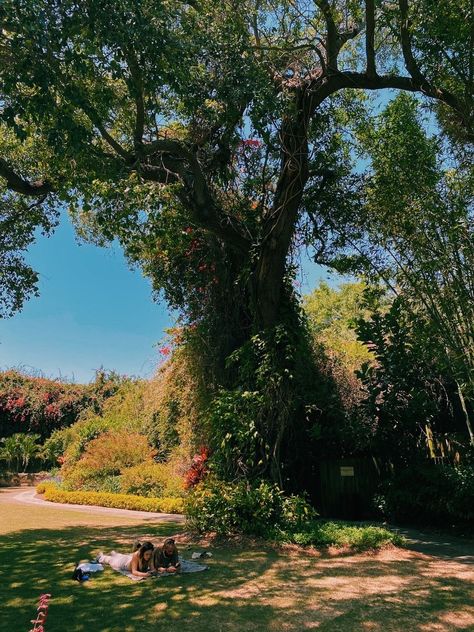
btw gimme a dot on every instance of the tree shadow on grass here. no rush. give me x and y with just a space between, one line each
42 561
392 591
253 588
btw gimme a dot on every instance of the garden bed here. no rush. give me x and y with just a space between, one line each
54 494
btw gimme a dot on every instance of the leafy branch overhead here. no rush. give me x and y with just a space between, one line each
102 92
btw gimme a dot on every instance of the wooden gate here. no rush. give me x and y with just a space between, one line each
347 488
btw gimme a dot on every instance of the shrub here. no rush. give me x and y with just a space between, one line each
432 493
112 452
120 501
77 438
261 509
122 414
37 404
89 479
151 480
244 507
322 534
104 459
43 486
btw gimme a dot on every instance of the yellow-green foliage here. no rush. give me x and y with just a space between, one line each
124 412
120 501
174 400
112 452
151 480
332 315
42 487
104 459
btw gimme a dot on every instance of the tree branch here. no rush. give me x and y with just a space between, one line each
347 79
332 34
370 37
405 40
174 162
20 185
136 86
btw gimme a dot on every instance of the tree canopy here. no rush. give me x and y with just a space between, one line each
125 110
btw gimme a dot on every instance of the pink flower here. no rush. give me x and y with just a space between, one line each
165 351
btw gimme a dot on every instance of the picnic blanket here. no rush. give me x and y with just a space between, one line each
90 567
186 567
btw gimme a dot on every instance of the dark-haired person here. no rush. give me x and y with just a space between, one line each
166 560
136 563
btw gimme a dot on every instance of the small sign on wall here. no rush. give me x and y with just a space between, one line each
347 470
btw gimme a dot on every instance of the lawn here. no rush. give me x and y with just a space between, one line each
247 588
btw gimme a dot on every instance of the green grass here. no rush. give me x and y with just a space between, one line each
249 587
322 533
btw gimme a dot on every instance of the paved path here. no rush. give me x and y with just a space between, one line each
438 545
27 495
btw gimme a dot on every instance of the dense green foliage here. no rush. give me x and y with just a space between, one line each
261 509
252 508
430 494
416 234
409 397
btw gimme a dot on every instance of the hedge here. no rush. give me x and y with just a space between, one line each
54 494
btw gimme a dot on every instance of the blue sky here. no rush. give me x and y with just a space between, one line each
92 311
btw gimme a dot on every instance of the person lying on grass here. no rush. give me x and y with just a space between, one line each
138 562
165 560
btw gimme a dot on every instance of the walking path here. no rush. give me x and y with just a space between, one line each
27 495
438 545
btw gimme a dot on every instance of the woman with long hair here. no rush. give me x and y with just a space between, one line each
137 562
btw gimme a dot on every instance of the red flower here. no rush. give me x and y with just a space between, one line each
52 410
251 142
165 351
198 468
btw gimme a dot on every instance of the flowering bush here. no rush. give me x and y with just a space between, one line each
37 404
198 469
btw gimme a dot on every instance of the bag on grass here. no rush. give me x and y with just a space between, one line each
79 575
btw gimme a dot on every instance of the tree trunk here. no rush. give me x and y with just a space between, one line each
280 220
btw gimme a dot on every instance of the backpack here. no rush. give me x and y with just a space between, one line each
79 575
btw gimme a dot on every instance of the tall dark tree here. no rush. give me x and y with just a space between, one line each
207 137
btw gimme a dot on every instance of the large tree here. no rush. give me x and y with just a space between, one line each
209 138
